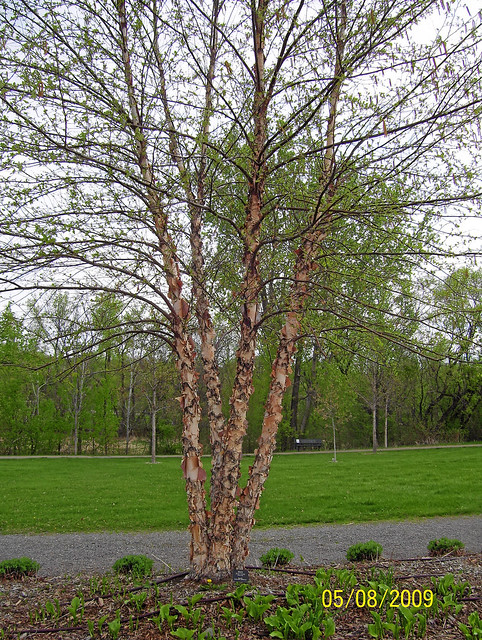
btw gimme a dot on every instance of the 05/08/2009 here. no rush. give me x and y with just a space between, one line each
374 600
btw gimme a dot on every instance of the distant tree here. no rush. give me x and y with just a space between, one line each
14 381
335 401
450 391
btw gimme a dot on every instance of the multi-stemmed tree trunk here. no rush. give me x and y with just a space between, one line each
166 160
220 537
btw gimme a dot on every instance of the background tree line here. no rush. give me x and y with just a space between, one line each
65 391
87 384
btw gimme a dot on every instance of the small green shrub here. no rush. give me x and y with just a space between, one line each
276 557
364 551
444 545
139 566
18 567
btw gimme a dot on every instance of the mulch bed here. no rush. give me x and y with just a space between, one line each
23 615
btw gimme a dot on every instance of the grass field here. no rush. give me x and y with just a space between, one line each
67 494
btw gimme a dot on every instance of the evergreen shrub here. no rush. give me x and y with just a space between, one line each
444 545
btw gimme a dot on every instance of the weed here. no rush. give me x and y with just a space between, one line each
442 546
276 557
364 551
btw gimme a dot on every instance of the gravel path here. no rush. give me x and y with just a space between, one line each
61 554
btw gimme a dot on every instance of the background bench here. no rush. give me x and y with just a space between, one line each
308 443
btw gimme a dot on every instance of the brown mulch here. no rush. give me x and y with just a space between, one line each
23 614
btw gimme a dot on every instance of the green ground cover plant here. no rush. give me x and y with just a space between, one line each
81 495
138 565
276 557
364 551
17 567
355 602
444 545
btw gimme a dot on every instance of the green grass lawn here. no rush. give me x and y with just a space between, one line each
67 495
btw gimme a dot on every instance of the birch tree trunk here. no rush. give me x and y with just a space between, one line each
183 344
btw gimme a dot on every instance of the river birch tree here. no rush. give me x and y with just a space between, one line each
196 156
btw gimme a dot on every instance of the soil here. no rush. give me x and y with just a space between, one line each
23 611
